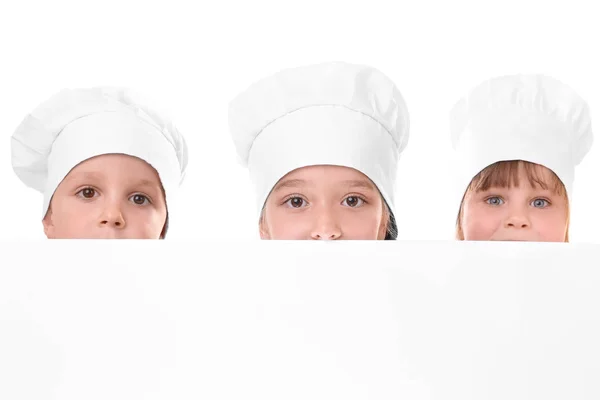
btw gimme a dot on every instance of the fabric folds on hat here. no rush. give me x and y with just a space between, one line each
325 114
533 118
77 124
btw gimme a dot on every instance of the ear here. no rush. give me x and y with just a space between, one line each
568 224
262 227
264 235
48 225
383 226
460 235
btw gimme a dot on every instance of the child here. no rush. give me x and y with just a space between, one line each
322 144
518 140
108 165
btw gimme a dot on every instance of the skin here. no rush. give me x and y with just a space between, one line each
112 196
324 202
517 213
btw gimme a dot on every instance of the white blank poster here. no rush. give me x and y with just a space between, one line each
298 320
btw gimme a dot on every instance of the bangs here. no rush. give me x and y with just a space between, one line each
505 174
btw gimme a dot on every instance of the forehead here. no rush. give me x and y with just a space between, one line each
326 175
113 167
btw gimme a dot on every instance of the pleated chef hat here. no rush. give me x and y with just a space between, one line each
325 114
77 124
532 118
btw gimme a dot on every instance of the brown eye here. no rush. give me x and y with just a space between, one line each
353 201
88 193
295 202
139 199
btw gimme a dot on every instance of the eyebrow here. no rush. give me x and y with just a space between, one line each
288 183
358 184
85 176
146 182
352 183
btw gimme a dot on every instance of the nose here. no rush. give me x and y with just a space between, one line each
517 219
326 227
112 216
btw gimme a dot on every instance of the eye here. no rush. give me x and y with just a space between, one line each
353 201
494 201
295 202
140 199
87 193
540 203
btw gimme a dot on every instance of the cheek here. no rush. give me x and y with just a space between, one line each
364 225
71 217
284 224
479 223
550 225
144 222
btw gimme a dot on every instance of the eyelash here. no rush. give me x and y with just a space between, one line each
80 191
142 195
548 202
357 196
294 196
487 200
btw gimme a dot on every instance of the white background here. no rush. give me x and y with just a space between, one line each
194 57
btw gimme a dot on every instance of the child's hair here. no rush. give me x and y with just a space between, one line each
505 174
163 233
391 228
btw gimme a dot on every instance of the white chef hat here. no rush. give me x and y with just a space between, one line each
325 114
77 124
533 118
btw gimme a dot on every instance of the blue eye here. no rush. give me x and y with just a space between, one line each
494 201
140 199
295 202
540 203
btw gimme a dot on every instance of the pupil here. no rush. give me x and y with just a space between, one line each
296 202
138 199
352 201
88 192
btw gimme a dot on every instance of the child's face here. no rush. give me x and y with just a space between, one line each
111 196
324 203
519 213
